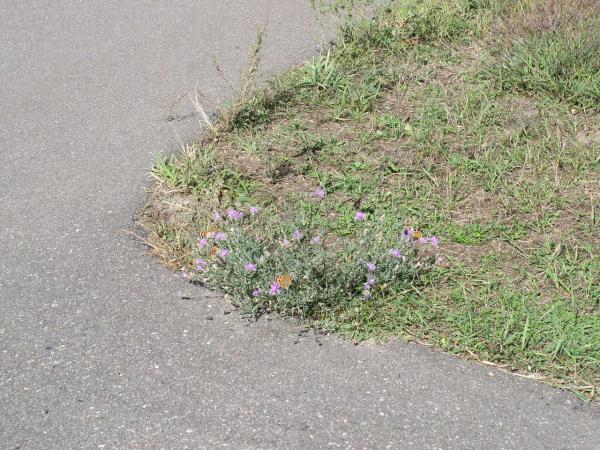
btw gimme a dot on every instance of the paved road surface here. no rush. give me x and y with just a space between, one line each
97 347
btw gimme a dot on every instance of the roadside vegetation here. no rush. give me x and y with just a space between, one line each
435 175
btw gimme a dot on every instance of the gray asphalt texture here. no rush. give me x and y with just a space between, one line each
99 346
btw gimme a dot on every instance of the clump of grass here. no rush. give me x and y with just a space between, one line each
420 117
552 49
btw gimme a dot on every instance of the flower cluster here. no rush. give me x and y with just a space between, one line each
395 256
218 238
302 269
410 235
275 289
395 253
320 193
368 287
200 264
360 216
234 214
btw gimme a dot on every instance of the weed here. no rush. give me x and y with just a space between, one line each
305 272
322 74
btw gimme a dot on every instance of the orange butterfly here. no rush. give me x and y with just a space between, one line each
210 232
417 234
214 250
285 281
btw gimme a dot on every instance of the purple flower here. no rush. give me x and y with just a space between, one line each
250 267
422 240
407 234
371 266
217 217
224 253
220 236
360 216
435 241
320 193
254 210
256 292
285 243
315 240
200 264
234 214
395 253
297 235
202 243
369 285
275 289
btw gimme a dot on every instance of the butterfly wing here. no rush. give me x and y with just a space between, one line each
285 281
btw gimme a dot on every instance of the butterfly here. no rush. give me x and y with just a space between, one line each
284 281
214 250
417 234
210 232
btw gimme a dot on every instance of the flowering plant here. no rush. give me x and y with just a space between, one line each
301 271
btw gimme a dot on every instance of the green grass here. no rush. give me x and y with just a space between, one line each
474 120
555 54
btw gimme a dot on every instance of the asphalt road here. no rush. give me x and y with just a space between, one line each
97 346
